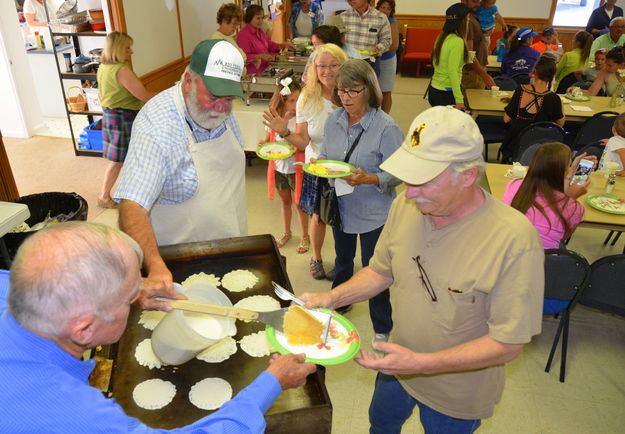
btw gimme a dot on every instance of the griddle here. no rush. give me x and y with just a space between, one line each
306 409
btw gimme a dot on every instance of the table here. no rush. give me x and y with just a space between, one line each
493 64
11 215
250 120
482 103
593 218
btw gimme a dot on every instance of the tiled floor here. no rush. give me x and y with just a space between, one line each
592 400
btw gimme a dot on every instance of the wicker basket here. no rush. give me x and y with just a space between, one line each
78 102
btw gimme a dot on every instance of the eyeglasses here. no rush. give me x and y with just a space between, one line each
353 93
425 280
332 66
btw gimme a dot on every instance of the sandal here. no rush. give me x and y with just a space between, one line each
109 203
316 269
283 240
303 245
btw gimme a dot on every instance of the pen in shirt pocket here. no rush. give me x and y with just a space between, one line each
460 291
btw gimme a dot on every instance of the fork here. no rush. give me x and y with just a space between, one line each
285 294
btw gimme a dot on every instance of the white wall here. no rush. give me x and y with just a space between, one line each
19 109
198 20
154 27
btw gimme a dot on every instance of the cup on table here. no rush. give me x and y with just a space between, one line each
494 91
519 171
610 168
471 56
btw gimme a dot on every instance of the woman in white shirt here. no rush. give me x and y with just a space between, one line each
35 13
313 107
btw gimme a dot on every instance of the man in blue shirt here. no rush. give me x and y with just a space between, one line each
71 289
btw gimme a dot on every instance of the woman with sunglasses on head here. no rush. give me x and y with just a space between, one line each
363 135
448 57
314 105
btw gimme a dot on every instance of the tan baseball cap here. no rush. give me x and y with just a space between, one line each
437 137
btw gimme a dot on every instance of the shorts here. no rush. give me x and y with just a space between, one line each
116 128
309 201
285 181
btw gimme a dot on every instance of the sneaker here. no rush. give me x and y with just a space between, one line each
316 269
344 309
330 275
380 337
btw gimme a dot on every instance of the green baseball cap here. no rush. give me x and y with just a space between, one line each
221 65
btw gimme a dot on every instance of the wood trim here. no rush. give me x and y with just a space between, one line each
552 12
182 53
437 21
8 189
116 11
165 76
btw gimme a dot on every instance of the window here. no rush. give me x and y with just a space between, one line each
574 13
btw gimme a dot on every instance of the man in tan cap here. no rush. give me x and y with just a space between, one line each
466 278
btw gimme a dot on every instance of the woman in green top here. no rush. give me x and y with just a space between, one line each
229 17
122 95
575 59
448 57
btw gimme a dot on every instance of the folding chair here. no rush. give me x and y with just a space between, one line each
521 78
592 149
566 276
606 291
566 82
505 83
598 127
539 132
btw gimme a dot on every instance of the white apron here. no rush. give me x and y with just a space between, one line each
217 209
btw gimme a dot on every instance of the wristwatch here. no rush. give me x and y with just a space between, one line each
287 134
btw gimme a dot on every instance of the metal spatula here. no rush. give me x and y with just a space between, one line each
274 318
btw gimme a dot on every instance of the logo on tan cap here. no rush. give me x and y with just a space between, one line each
415 139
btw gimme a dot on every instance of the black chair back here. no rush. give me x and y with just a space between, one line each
606 290
567 273
598 127
505 83
521 78
539 132
592 149
566 277
566 82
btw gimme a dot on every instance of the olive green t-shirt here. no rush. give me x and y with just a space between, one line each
486 270
112 93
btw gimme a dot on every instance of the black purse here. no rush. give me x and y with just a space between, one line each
328 201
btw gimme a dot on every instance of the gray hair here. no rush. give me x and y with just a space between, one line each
356 72
460 166
615 19
69 270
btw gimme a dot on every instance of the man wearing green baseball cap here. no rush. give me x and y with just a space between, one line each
465 273
184 176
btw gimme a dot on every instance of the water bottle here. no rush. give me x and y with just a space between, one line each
501 52
68 62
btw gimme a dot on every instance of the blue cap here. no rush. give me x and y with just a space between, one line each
525 32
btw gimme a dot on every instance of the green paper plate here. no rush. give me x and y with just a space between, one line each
266 150
604 206
337 350
579 98
333 165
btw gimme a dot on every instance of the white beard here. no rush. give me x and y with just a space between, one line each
207 119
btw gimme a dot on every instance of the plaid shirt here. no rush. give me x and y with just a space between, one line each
366 32
158 167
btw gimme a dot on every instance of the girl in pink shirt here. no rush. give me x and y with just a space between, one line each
546 197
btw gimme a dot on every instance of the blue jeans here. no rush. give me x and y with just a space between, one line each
391 406
345 249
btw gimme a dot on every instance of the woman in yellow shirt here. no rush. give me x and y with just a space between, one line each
122 95
574 60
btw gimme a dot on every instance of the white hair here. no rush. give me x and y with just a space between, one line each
615 19
69 270
460 166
